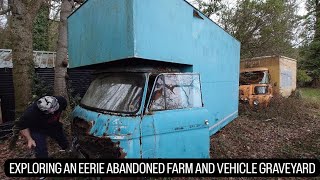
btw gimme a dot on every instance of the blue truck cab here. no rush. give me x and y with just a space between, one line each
166 79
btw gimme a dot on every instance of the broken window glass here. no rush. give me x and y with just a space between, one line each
256 77
261 90
157 102
176 91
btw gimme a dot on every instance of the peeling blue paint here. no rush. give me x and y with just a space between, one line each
153 136
119 129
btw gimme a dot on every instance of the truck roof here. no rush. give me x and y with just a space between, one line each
268 57
187 3
169 31
253 69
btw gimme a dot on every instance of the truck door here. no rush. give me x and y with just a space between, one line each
176 123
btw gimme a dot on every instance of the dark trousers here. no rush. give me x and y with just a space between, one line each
40 138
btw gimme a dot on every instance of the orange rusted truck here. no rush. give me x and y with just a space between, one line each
255 87
282 70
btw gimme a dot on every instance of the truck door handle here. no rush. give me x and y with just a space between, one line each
206 122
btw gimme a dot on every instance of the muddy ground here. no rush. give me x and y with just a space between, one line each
289 128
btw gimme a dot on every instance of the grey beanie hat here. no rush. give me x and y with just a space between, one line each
48 104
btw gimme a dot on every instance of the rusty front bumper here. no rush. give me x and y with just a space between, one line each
89 146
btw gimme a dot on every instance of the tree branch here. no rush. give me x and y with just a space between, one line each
79 1
36 6
5 11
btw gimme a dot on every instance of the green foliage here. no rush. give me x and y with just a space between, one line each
39 88
53 35
311 49
303 78
312 94
263 27
209 7
41 30
312 61
308 24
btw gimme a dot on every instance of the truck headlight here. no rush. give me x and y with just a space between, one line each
261 90
256 102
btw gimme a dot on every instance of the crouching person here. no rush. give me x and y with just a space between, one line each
40 120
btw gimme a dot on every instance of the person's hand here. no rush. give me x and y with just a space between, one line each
31 143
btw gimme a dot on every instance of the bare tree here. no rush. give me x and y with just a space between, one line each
60 70
60 85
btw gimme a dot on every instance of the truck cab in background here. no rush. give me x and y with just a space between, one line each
255 87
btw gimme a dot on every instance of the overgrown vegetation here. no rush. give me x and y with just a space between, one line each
311 46
292 108
273 27
41 29
40 88
303 78
311 94
289 128
262 27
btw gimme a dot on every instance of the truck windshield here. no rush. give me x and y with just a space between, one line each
256 77
116 92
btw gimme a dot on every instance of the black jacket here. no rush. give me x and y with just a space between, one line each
36 120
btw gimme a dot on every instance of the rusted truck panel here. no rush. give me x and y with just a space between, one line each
255 87
283 72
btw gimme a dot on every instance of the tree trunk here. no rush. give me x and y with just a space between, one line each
60 70
23 14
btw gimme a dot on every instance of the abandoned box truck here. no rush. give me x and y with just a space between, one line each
282 72
167 78
255 87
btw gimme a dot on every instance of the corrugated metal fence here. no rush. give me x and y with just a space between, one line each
79 79
6 94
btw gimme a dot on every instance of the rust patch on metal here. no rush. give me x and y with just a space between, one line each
197 15
82 126
95 147
107 125
178 128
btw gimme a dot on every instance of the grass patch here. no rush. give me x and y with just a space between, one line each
311 94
